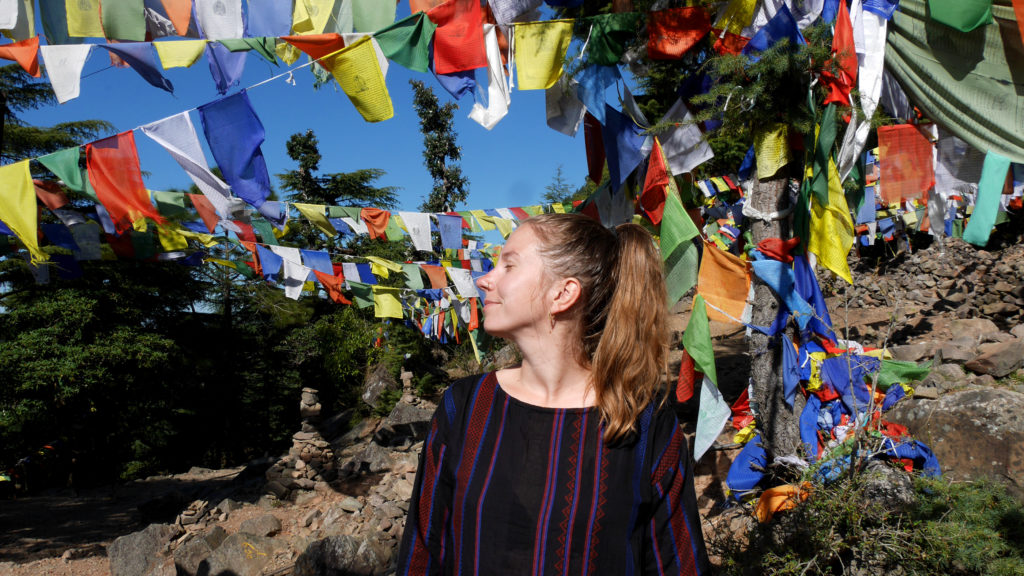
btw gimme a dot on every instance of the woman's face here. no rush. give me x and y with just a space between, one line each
515 290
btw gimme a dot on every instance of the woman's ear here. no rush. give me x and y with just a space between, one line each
565 293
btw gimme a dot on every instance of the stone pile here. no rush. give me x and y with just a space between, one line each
310 459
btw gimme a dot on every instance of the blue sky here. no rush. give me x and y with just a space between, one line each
507 166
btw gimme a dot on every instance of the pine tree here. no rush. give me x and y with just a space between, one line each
441 153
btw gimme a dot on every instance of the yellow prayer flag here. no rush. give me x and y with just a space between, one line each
222 262
315 214
504 225
910 218
357 71
84 18
832 228
204 239
383 264
771 147
483 218
540 49
720 184
286 52
179 53
386 303
736 16
18 207
171 238
558 207
535 210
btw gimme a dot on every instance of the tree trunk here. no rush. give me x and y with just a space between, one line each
777 422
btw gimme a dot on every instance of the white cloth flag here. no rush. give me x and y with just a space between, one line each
357 227
344 20
806 13
8 14
869 81
64 67
219 19
506 11
351 272
684 144
178 136
418 225
382 60
712 415
463 280
498 96
294 275
564 109
958 166
507 214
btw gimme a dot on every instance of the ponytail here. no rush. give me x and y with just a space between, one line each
623 316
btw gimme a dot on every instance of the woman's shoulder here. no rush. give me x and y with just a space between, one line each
461 390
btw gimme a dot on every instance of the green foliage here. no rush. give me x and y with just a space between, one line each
964 528
441 153
339 188
560 191
386 402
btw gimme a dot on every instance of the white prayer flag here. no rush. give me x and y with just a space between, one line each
684 144
418 226
219 19
498 97
463 281
712 415
64 65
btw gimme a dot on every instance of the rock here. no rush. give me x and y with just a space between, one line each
265 525
350 504
310 517
999 309
1018 331
242 554
409 421
974 433
999 360
887 486
959 350
376 383
373 458
189 556
342 555
277 489
973 328
215 537
945 377
912 352
228 505
926 393
135 554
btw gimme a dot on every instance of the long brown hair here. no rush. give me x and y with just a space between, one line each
623 330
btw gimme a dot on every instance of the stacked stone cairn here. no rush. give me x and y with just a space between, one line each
311 458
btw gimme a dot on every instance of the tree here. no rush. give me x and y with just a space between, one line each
441 153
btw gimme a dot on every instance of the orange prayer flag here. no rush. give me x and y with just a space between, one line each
674 31
332 284
688 377
206 211
723 281
905 162
459 38
653 197
437 276
255 264
25 53
50 193
423 5
180 13
376 221
474 315
780 498
113 165
317 46
729 43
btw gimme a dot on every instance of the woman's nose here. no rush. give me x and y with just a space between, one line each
484 281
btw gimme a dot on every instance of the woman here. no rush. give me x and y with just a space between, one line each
566 464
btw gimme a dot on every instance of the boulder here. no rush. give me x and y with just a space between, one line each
190 555
136 554
343 555
912 352
265 525
945 377
409 421
378 380
999 360
241 554
887 486
959 350
974 433
975 329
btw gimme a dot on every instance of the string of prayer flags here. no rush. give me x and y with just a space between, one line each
226 66
498 94
609 35
459 38
113 165
408 41
771 148
179 53
234 134
177 135
124 20
64 65
358 72
724 283
905 159
84 19
25 53
674 31
993 179
962 15
372 15
831 228
18 207
540 48
220 18
140 57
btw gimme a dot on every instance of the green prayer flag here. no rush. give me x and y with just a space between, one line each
144 244
963 15
680 273
407 41
609 36
896 371
822 153
124 20
169 203
362 294
266 231
64 165
697 340
676 225
263 46
413 276
245 270
986 207
335 212
393 231
372 15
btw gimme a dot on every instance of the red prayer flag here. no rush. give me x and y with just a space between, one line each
741 414
50 193
688 377
653 197
423 5
25 53
317 46
474 314
519 213
778 249
206 211
844 54
1018 11
376 221
113 165
905 162
332 284
729 43
121 245
247 234
437 276
674 31
459 38
595 147
180 13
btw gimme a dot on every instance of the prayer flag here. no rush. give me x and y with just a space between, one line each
697 340
564 109
869 81
436 275
508 11
220 18
269 18
64 68
905 157
498 96
372 15
8 14
263 46
724 283
418 226
18 207
844 54
771 147
653 197
408 41
55 22
84 18
464 282
64 165
315 214
50 194
831 232
332 284
180 14
316 46
712 415
206 211
823 144
358 73
623 143
140 57
25 53
961 15
386 303
540 50
114 173
609 34
123 20
986 207
226 66
234 134
376 221
782 26
683 144
179 53
672 32
459 38
311 16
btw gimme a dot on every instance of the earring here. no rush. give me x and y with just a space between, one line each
551 319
